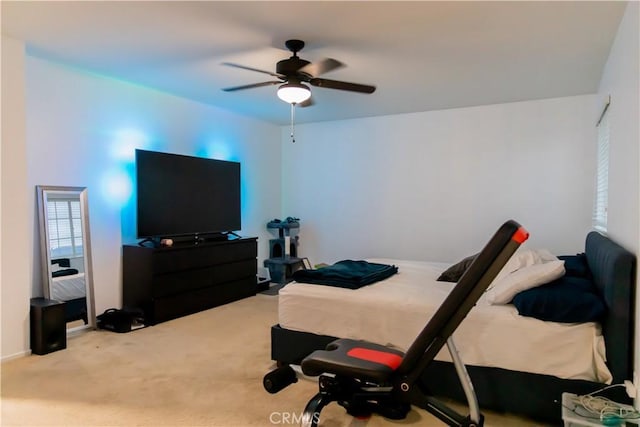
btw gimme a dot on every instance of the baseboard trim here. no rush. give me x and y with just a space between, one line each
15 356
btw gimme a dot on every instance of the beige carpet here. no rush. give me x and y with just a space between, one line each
201 370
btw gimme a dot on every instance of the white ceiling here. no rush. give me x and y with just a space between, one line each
421 55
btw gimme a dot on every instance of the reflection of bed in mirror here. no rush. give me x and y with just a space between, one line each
71 289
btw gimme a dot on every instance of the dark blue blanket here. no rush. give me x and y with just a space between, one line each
346 274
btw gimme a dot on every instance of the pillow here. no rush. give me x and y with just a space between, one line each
566 300
455 272
576 265
65 272
505 288
524 258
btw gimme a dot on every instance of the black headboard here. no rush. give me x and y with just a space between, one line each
614 269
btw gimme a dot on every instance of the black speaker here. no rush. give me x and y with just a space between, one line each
48 326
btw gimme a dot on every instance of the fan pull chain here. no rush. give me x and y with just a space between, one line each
293 116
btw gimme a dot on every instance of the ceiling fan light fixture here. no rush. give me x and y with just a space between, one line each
294 93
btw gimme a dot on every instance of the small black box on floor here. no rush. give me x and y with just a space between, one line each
262 285
48 326
263 279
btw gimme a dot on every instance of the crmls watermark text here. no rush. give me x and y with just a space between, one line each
285 418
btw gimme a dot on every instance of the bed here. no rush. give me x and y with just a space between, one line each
71 289
586 356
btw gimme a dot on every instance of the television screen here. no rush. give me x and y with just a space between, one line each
181 195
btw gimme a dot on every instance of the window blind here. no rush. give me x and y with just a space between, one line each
65 228
601 200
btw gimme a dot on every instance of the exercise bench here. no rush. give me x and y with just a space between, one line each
367 378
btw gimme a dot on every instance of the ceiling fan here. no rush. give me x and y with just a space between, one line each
293 72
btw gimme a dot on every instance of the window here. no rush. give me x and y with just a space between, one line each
601 200
65 228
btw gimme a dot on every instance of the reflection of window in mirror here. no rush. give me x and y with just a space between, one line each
65 232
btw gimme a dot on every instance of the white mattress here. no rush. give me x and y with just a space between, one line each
394 311
66 288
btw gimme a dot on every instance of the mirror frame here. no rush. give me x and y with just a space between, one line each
43 192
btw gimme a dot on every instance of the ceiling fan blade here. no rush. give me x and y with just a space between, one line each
335 84
244 67
321 67
251 86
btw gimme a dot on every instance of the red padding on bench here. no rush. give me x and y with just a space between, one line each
388 359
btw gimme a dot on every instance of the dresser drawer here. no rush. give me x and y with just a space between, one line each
201 256
168 308
184 281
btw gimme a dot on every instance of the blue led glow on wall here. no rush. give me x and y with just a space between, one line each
117 186
219 150
118 182
124 144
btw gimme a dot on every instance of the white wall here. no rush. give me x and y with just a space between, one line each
15 225
621 81
435 185
82 130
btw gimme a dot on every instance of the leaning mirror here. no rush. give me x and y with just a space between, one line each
66 252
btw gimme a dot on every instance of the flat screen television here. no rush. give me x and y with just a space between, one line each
183 195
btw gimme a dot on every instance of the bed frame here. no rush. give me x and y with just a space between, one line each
532 395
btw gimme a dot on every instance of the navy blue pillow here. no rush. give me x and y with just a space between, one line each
566 300
576 265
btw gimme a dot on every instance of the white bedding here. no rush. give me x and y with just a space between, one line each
394 311
67 288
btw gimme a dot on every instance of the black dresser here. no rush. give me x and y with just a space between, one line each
170 282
